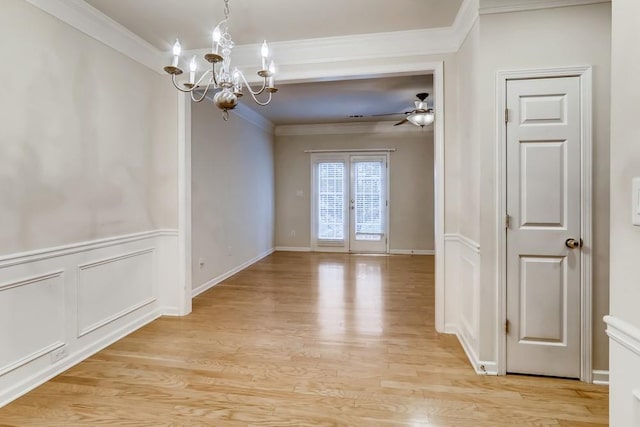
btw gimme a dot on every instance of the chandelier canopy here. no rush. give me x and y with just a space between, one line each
219 77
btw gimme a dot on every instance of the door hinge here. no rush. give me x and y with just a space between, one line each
506 115
507 326
507 221
387 203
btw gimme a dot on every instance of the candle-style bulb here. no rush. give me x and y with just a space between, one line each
177 48
265 50
216 35
193 65
272 67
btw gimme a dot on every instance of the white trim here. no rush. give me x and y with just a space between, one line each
92 22
252 117
584 73
624 333
524 5
439 202
456 237
23 387
89 20
184 203
412 252
600 377
58 251
384 126
292 249
465 19
216 280
480 366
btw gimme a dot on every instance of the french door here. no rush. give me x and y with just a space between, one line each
349 205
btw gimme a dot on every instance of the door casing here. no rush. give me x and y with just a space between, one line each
585 75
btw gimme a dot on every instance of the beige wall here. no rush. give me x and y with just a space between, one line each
87 137
410 185
542 39
232 201
625 238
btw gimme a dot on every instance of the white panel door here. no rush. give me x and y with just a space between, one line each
543 204
368 204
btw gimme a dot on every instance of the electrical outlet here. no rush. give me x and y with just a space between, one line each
59 354
293 233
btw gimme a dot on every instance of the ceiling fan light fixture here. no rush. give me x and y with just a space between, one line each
421 119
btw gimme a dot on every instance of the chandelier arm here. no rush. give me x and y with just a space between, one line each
204 94
262 104
173 80
253 93
203 76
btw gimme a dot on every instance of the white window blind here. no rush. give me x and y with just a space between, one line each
331 201
369 201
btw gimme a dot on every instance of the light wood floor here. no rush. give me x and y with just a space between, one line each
304 339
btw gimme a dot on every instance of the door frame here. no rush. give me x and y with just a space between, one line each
346 156
321 71
584 73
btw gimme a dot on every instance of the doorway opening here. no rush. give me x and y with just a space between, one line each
349 203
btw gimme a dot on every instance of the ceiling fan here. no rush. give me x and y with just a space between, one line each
422 115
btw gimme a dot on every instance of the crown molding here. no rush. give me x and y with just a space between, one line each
497 6
89 20
254 117
465 19
349 128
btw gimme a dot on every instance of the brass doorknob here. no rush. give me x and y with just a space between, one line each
572 243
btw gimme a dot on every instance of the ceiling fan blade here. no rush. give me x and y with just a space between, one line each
401 122
391 114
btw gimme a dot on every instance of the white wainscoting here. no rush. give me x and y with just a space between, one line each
60 305
462 297
624 372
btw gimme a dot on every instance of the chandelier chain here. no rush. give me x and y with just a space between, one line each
226 9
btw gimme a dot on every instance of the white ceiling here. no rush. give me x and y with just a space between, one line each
335 101
160 22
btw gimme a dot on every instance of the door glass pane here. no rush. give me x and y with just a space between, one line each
331 201
368 200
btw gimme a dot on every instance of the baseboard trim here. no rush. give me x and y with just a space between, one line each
45 375
412 251
292 249
216 280
482 367
600 377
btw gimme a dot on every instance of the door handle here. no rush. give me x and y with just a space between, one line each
573 243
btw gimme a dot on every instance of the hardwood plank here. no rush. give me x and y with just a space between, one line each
304 339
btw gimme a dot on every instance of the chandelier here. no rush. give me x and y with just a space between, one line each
228 83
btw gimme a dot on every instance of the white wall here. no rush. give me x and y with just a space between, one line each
232 180
88 177
543 39
87 137
625 239
411 209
